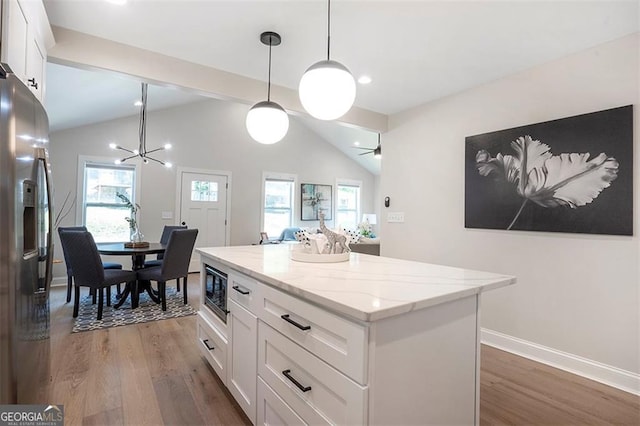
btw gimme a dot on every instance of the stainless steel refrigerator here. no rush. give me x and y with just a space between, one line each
25 244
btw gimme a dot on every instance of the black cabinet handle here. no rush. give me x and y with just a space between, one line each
239 290
206 343
33 83
295 382
290 321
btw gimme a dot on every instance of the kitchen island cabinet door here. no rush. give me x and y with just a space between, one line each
243 349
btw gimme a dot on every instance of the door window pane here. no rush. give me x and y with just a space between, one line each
204 191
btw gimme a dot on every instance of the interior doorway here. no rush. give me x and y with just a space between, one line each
203 203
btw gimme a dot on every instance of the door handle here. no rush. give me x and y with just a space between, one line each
297 324
287 374
239 290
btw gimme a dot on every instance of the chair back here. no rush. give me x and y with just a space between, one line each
166 233
82 253
62 229
178 254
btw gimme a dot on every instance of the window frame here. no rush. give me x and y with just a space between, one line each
352 183
277 176
106 162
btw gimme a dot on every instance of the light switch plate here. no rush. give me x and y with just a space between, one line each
167 215
395 217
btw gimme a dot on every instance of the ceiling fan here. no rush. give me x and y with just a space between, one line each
377 151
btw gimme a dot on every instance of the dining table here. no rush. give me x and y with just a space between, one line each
138 255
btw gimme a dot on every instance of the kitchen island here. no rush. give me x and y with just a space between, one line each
374 340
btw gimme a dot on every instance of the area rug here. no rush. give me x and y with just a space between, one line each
147 310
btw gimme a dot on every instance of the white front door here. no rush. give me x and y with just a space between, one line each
203 206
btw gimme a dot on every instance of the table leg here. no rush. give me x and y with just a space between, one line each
123 298
146 285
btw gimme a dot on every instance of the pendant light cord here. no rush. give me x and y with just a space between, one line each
269 80
328 28
142 129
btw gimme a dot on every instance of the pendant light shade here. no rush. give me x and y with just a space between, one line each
327 89
267 122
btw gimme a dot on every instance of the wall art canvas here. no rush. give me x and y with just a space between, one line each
316 199
569 175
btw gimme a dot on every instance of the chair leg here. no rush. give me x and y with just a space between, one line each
163 294
178 286
69 285
92 292
76 301
100 302
109 295
184 286
119 292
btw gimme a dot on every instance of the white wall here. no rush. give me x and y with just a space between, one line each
575 293
207 135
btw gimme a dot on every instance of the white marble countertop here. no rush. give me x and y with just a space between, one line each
367 288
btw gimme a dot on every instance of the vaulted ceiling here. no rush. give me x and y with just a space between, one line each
414 51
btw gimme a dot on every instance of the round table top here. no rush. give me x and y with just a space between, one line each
120 249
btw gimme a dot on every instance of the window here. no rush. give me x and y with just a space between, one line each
204 191
103 212
348 205
278 203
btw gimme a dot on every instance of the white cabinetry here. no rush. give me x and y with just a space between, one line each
292 361
26 34
241 374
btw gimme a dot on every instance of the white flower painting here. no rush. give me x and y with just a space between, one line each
515 179
547 180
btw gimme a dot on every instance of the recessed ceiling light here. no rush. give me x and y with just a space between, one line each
364 79
356 143
137 103
119 2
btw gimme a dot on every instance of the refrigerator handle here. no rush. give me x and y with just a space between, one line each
41 155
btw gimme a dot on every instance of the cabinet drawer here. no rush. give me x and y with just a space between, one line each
242 290
338 341
213 346
318 393
272 410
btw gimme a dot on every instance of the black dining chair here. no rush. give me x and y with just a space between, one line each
164 239
105 265
175 263
88 270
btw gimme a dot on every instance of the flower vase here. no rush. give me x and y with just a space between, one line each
136 236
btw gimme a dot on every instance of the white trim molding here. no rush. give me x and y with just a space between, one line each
603 373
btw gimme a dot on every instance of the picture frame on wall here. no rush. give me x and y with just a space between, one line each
316 198
572 174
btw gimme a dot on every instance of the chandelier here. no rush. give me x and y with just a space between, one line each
142 151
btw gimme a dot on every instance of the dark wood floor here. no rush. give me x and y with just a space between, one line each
153 374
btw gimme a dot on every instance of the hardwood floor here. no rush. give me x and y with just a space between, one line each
153 374
517 391
143 374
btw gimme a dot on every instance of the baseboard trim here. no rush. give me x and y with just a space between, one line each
59 281
603 373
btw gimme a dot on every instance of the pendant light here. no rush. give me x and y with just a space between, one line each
327 89
267 122
142 151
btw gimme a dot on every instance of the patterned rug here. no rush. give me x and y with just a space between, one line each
148 310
